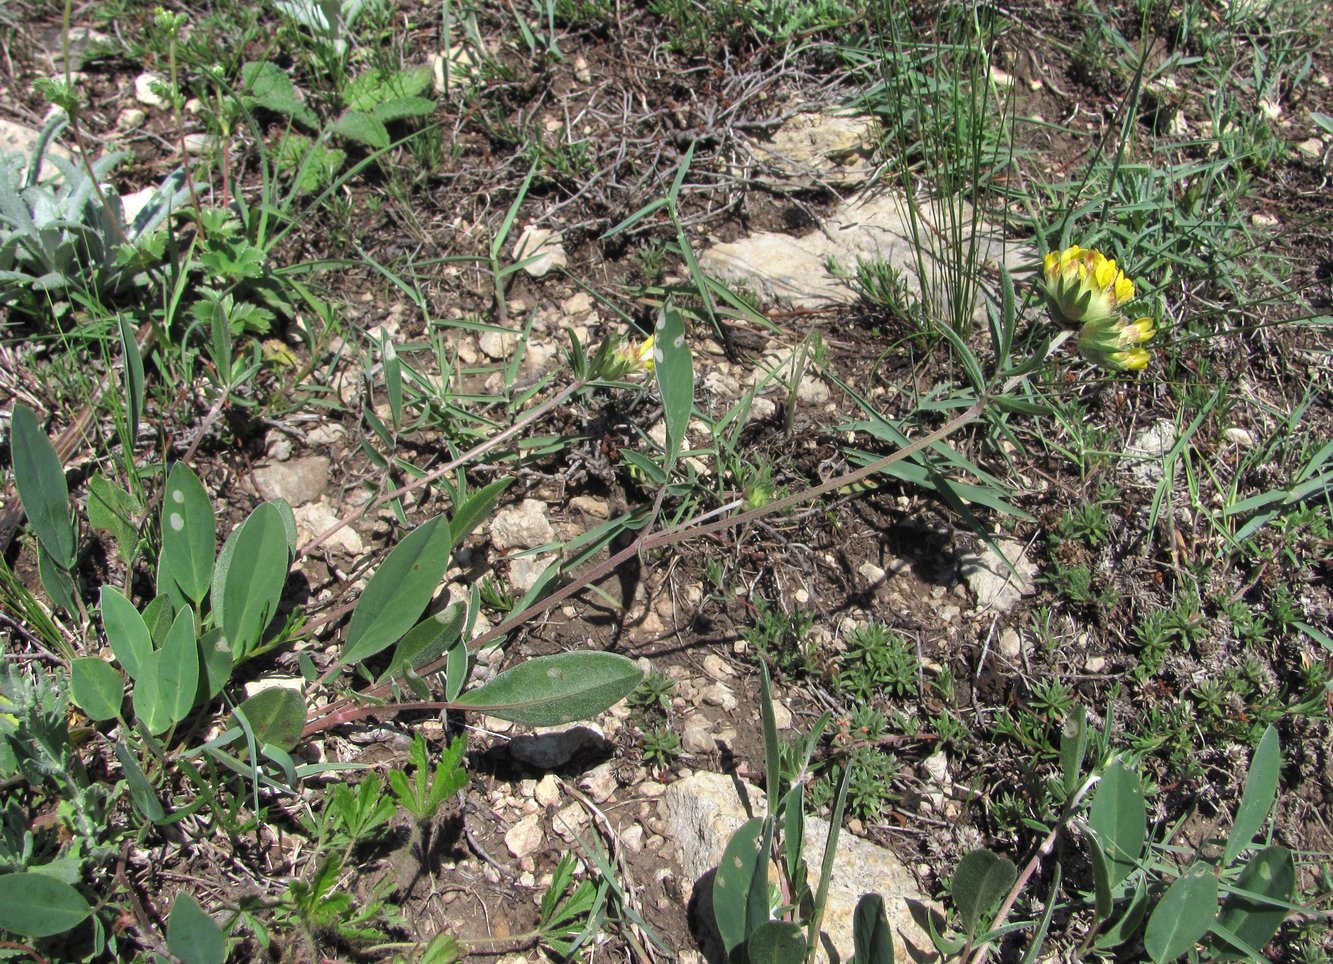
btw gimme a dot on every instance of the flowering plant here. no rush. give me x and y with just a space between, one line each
1086 289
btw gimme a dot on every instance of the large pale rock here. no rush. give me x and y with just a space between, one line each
703 810
832 147
995 585
298 481
780 268
18 139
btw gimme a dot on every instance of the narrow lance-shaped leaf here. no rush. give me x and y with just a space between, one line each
41 486
1257 800
674 368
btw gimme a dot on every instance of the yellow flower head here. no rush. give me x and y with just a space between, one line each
1084 286
1115 343
630 358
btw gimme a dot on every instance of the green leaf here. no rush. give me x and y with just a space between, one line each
980 882
427 640
56 579
372 88
253 570
113 509
178 667
1127 924
276 716
141 791
1260 791
776 942
552 690
1256 906
192 935
363 128
41 486
189 532
134 380
1120 819
1182 916
36 905
216 662
674 368
403 107
268 86
398 592
96 687
1103 888
474 510
732 883
168 680
126 631
871 934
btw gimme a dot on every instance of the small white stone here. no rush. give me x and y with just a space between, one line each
717 667
936 767
1311 147
871 573
130 118
525 836
1094 664
542 245
143 89
1010 645
1262 220
547 791
1242 437
581 72
570 820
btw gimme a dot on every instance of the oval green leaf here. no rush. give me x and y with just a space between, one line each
192 935
1182 916
733 881
35 905
871 934
1256 906
1120 819
115 510
426 640
256 571
776 942
276 716
42 488
979 883
178 668
552 690
189 532
126 631
399 591
96 687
